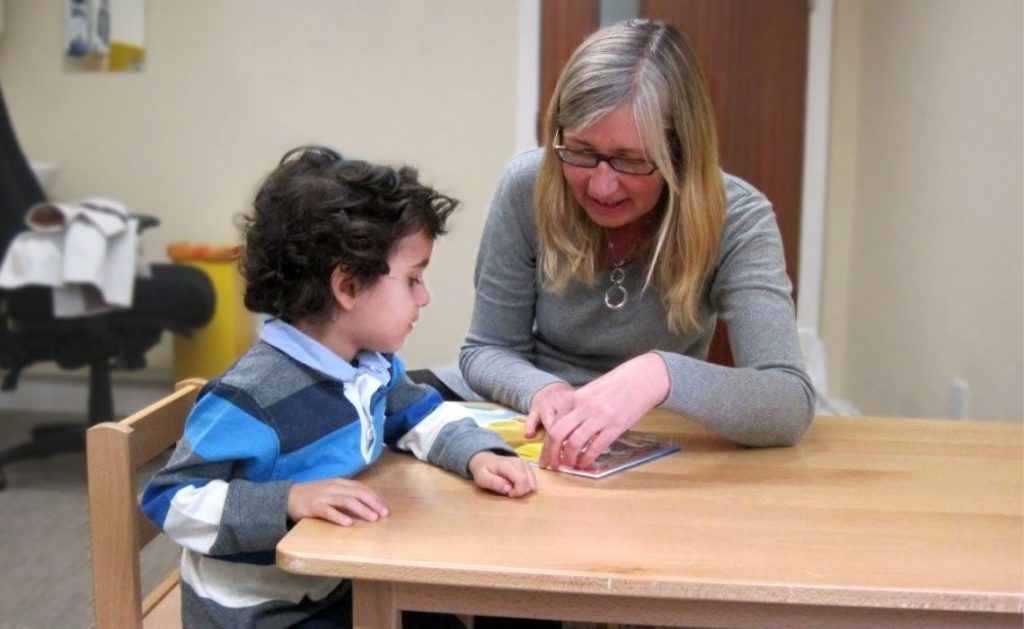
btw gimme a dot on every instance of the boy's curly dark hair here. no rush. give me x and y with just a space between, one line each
317 211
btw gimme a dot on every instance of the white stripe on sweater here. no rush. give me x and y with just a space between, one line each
194 516
237 585
421 438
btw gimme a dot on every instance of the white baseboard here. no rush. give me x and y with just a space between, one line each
45 394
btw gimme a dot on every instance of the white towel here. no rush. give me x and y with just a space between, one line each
88 252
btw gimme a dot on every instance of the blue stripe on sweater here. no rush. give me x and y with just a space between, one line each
156 499
404 420
332 456
236 395
256 558
310 414
218 430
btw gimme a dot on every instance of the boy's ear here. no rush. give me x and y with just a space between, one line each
344 287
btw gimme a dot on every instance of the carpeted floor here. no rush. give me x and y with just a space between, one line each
44 537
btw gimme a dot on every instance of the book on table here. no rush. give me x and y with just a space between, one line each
632 448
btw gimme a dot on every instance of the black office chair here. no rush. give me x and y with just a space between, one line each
176 298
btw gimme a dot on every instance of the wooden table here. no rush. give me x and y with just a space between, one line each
866 523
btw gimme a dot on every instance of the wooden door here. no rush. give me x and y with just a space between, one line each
754 54
564 24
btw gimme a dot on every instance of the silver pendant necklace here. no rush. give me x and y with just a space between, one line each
616 296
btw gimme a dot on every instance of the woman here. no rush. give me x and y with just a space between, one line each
609 253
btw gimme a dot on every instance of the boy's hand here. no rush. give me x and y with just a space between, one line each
336 500
507 475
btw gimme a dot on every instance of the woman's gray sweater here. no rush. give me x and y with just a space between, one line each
523 337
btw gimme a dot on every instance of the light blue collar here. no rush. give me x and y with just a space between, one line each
315 355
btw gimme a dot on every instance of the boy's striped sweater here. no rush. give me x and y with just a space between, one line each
286 412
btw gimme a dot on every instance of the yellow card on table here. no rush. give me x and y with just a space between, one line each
630 449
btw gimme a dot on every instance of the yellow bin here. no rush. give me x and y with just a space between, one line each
213 348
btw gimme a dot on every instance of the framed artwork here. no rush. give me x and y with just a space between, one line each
104 35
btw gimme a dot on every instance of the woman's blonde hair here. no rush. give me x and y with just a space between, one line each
653 67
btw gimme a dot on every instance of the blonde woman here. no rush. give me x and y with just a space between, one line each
610 252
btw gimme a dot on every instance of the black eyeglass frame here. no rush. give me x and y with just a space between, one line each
589 156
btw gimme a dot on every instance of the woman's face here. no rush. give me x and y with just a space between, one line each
611 199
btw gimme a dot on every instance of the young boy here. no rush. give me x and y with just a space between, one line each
335 252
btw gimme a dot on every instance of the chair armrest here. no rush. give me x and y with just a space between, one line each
145 221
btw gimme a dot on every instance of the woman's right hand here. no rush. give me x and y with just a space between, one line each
548 405
336 500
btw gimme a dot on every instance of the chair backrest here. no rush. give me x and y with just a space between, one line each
114 451
19 188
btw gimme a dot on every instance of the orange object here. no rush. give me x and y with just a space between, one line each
184 251
179 250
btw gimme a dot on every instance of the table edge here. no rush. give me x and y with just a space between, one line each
634 586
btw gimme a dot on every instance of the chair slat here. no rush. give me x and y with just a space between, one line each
160 425
160 591
145 532
166 614
115 552
118 528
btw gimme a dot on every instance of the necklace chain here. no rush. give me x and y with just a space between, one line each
616 296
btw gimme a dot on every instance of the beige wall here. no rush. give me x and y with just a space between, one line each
230 85
923 279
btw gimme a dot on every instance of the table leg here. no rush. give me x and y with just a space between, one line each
375 605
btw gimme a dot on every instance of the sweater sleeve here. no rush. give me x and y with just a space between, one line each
440 433
497 357
213 496
767 398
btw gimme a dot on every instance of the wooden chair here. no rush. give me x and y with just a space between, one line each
114 451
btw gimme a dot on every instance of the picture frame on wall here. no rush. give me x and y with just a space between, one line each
104 35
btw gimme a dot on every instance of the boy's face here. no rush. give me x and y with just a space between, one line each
384 312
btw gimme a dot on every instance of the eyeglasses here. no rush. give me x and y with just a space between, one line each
590 159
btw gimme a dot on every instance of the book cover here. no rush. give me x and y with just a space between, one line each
630 449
